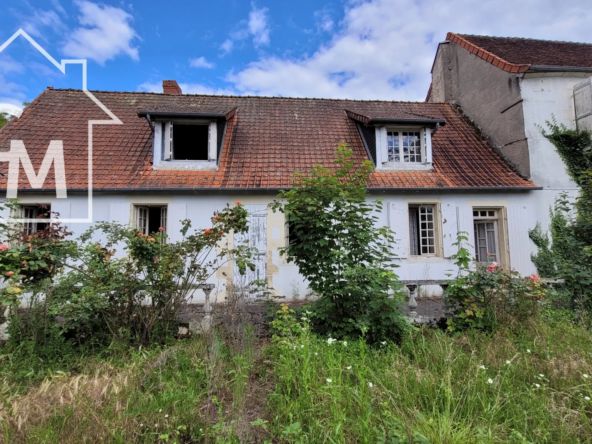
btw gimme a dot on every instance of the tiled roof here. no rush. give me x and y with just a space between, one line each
267 141
514 54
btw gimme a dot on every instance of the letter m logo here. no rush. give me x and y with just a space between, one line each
18 154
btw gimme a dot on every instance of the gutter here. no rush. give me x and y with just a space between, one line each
274 189
382 120
543 68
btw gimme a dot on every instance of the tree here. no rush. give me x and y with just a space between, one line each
4 117
344 256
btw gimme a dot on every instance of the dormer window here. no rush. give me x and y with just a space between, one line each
187 141
400 148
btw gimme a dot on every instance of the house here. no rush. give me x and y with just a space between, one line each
178 156
510 87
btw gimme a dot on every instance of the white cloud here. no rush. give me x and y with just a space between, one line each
323 20
35 23
106 33
256 27
188 88
384 49
200 62
11 109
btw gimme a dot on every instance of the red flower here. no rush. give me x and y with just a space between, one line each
3 247
207 231
9 273
238 202
155 259
534 277
161 229
217 217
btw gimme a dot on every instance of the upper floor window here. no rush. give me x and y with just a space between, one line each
404 146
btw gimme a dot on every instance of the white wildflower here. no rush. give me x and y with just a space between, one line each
316 354
302 346
160 411
349 368
490 381
329 380
155 425
537 385
585 375
331 341
508 362
541 375
482 367
383 342
166 416
370 385
587 398
528 350
345 343
141 425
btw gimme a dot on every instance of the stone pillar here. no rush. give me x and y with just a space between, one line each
206 322
412 301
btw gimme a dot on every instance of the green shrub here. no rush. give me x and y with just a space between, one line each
340 251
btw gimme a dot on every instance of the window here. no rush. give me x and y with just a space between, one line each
422 230
404 146
150 218
487 243
189 141
37 211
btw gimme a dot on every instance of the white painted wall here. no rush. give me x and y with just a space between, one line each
545 98
284 277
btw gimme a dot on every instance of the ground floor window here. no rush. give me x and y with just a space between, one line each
422 230
486 225
35 211
150 218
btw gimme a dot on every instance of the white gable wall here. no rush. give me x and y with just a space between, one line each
546 98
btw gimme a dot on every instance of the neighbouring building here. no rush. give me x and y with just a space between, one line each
178 156
510 88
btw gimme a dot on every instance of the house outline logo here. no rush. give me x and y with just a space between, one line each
54 154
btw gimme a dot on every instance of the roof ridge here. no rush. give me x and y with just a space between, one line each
495 60
247 97
524 38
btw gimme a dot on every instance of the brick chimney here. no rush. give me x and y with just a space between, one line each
171 87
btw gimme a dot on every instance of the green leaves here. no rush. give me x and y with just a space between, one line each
338 248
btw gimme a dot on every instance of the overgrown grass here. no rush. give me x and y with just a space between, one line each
302 389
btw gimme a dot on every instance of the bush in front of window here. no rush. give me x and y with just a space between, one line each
345 258
490 296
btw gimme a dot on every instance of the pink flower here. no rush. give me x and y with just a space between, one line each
9 273
534 277
3 247
161 229
155 259
492 267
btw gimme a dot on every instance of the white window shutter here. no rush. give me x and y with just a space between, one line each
176 212
119 212
464 217
168 140
381 146
398 217
449 229
212 141
427 138
519 240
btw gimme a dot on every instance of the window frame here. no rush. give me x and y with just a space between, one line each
382 162
501 225
32 227
438 249
139 208
401 155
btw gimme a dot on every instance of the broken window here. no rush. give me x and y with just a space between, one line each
486 225
150 218
194 141
422 230
37 211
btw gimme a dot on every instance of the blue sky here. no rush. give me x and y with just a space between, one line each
374 49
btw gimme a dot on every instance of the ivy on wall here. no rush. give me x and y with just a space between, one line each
567 254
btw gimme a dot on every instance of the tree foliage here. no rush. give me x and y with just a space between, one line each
340 250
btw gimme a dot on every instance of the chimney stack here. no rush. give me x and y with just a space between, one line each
171 87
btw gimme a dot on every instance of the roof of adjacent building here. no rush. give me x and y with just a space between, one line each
267 140
515 54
